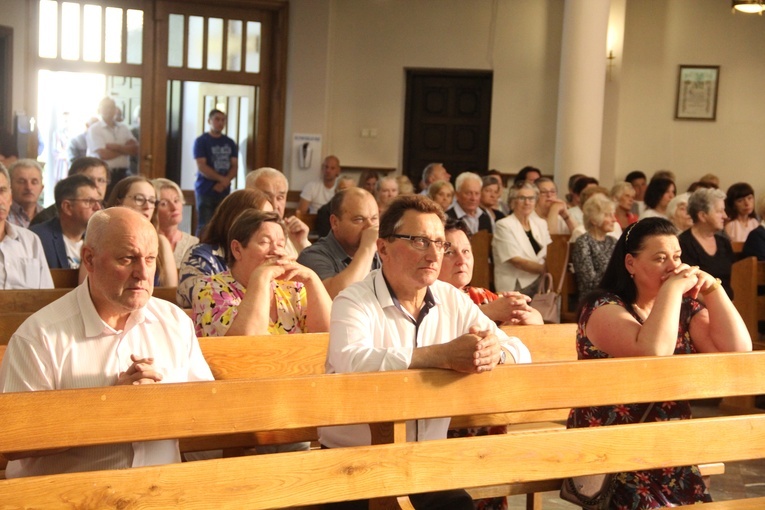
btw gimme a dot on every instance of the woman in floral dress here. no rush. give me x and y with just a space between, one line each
263 291
651 304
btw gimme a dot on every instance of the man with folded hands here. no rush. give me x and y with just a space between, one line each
108 331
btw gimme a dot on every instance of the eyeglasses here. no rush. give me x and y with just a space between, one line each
423 243
100 180
89 202
140 200
525 199
548 192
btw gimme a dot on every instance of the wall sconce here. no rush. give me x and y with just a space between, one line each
610 65
748 6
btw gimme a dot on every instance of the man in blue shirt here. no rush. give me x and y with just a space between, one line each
216 156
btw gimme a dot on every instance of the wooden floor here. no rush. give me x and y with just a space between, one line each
741 479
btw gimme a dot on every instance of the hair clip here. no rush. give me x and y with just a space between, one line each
629 230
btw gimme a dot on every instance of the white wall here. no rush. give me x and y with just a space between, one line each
659 36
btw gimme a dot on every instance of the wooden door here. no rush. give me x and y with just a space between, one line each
448 116
225 44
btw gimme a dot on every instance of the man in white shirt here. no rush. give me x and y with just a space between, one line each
402 316
112 141
22 259
317 193
108 331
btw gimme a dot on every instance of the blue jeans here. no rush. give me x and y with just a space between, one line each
206 206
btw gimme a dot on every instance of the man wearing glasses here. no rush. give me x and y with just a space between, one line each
402 316
77 199
96 169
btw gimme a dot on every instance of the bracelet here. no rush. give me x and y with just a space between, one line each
716 285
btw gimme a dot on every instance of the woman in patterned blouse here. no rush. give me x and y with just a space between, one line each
652 304
592 250
263 291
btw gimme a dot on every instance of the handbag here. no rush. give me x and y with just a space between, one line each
592 492
546 301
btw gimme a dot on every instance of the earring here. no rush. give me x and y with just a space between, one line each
632 276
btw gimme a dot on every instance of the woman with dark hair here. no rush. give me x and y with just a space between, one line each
754 246
650 303
368 180
138 193
209 256
284 298
527 174
703 244
739 206
657 196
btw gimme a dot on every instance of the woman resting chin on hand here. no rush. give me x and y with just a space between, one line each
651 304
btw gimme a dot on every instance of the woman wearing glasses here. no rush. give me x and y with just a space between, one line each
520 244
170 215
138 194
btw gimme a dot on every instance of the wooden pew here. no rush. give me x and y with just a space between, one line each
65 278
556 258
392 468
9 323
29 301
483 268
746 276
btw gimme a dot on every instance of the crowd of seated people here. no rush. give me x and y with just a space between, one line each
253 271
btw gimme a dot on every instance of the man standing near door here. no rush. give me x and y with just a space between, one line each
216 155
112 142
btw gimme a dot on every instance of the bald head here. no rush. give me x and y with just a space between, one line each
107 223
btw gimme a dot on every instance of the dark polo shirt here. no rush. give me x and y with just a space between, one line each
327 258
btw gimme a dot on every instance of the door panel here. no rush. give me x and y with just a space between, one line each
448 116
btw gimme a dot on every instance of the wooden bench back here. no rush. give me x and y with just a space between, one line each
37 420
29 301
65 278
483 267
746 275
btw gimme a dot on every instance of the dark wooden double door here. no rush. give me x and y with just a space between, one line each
448 120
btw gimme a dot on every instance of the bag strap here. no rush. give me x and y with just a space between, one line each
565 268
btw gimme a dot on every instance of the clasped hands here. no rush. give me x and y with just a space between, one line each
141 371
693 281
474 352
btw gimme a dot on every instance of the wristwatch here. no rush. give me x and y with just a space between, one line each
502 356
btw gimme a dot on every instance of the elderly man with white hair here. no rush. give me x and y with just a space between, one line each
467 203
274 184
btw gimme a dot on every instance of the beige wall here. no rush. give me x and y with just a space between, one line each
372 43
659 36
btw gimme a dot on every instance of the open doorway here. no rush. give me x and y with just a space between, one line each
189 104
67 103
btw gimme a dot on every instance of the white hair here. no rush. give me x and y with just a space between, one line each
466 177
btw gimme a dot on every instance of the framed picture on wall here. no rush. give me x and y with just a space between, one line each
697 92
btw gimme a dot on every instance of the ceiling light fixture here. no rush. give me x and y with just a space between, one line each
748 6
